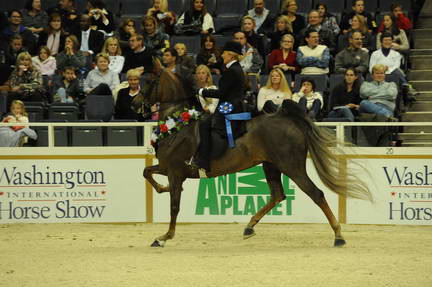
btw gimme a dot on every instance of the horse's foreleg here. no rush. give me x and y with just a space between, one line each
148 174
273 176
175 185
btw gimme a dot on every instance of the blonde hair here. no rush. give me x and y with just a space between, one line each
379 68
180 45
206 69
287 23
102 55
163 6
290 37
283 86
109 41
362 22
149 18
23 55
247 17
133 73
19 103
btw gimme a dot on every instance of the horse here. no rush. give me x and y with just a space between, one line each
279 141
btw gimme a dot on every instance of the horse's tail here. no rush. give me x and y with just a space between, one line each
323 148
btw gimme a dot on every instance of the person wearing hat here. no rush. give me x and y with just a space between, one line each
231 89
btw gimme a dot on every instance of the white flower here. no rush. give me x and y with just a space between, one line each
170 123
154 137
193 113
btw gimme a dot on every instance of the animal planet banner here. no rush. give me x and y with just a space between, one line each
237 197
72 190
402 191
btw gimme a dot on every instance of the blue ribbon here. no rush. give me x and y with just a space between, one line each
226 108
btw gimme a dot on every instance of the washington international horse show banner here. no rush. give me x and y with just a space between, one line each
108 186
72 190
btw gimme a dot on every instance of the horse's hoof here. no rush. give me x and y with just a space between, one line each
248 232
339 242
158 243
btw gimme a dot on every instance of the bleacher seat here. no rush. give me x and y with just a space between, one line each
59 111
135 7
35 113
333 6
99 107
3 104
320 82
228 14
334 80
123 135
178 6
222 39
370 6
304 6
274 6
60 135
386 4
87 136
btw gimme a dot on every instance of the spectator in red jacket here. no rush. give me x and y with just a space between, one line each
402 21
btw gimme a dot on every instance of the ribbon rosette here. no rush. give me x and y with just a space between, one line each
226 108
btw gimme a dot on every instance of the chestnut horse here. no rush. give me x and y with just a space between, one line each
279 141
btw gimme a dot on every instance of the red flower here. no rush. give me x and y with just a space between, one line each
163 128
185 116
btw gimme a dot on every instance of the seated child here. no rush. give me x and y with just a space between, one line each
67 88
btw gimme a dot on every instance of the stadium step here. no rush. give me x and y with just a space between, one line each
420 106
420 52
423 33
421 136
416 143
418 129
422 85
423 43
425 96
424 116
420 75
423 62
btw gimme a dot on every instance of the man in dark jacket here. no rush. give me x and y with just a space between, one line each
231 89
91 40
139 56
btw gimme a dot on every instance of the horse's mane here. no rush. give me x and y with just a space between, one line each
182 86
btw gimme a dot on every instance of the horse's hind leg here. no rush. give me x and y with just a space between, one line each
273 176
148 174
307 186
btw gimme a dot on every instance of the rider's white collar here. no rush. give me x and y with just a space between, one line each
230 63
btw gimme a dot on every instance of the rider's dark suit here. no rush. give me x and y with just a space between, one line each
231 89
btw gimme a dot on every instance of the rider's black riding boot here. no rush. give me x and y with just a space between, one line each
202 157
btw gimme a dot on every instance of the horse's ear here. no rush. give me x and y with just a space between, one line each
157 66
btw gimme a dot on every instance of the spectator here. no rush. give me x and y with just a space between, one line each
91 40
402 21
251 60
282 27
262 16
9 56
400 40
165 19
358 7
154 39
67 89
392 60
297 21
183 59
69 15
100 18
138 56
71 55
25 81
210 54
126 30
203 79
328 21
276 90
309 100
254 39
112 48
196 20
345 97
169 59
378 96
16 135
326 36
354 56
358 24
130 102
44 62
100 80
313 58
34 18
284 58
15 27
53 36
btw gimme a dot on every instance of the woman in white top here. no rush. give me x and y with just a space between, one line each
100 80
204 79
196 15
112 48
271 96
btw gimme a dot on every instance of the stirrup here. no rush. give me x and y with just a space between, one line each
202 173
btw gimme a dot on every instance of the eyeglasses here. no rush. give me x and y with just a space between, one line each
287 41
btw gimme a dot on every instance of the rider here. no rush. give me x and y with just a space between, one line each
231 89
